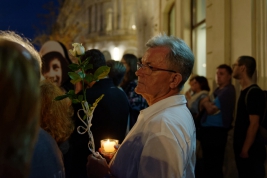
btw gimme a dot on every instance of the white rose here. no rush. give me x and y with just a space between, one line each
77 50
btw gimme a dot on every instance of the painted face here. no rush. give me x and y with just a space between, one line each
153 84
222 77
55 72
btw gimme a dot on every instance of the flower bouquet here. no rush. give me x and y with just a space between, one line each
79 74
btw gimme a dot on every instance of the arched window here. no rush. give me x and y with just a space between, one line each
198 12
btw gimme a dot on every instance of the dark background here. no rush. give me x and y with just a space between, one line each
28 17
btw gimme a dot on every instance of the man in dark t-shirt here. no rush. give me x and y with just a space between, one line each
248 147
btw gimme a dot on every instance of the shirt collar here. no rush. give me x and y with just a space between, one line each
162 104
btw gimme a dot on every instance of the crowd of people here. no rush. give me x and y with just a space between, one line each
160 130
214 118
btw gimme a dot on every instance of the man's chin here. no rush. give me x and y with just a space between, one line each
138 90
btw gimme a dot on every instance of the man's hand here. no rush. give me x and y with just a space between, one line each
96 167
108 156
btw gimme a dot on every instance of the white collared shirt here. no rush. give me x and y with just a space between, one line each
162 143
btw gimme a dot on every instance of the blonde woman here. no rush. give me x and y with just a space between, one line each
56 115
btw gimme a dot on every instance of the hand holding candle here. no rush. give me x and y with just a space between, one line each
107 145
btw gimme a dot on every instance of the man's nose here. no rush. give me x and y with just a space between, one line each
139 71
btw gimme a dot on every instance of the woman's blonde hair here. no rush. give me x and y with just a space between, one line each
56 116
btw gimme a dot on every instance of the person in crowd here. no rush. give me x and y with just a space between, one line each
19 113
162 143
249 149
216 122
189 92
117 71
55 61
200 87
109 118
130 63
56 116
137 102
46 159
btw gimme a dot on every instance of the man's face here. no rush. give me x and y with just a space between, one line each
222 77
236 70
156 84
55 72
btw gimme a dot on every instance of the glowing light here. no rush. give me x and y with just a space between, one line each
116 53
133 27
204 65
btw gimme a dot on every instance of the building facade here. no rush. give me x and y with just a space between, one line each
217 31
107 25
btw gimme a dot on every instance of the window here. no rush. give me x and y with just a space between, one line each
198 13
109 19
171 17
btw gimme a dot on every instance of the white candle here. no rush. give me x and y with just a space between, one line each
108 145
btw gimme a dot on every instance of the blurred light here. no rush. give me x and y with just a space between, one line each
204 65
116 53
133 27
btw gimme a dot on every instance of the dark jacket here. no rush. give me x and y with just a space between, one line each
109 121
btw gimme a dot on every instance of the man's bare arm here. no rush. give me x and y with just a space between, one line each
208 106
251 133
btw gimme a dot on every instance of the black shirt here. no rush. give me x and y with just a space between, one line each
254 105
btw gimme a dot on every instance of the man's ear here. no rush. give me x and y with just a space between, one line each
176 79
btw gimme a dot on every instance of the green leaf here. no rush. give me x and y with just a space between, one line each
89 78
81 74
88 66
84 117
80 98
75 81
71 92
79 61
85 62
101 72
75 101
58 98
74 67
75 77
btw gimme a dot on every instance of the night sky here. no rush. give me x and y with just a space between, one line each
22 15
